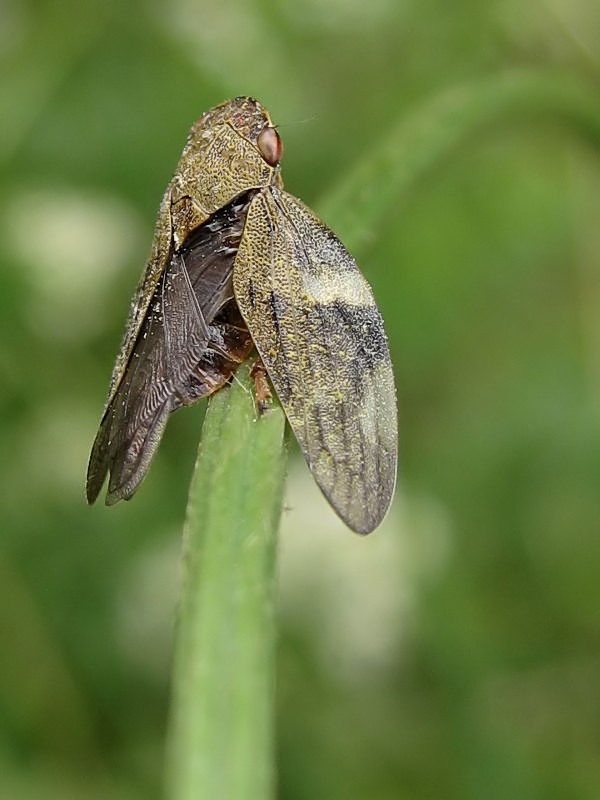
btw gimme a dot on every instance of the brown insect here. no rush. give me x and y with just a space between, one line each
239 263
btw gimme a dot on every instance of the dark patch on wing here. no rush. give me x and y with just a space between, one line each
252 294
363 328
280 309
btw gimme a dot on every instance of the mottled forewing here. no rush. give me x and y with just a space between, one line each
316 326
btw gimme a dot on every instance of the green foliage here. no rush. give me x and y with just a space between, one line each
222 739
452 654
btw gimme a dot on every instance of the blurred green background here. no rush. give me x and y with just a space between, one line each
456 652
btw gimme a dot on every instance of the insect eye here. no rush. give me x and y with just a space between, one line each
270 145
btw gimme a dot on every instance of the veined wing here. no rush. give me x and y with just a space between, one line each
314 321
191 341
208 248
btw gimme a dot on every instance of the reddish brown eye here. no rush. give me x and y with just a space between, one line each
270 145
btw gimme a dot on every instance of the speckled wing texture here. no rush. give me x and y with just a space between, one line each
190 343
314 322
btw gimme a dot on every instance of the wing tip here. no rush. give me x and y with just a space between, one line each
364 517
91 494
94 479
368 523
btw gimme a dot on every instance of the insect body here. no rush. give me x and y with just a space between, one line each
238 262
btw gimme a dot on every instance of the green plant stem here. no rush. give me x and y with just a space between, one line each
221 736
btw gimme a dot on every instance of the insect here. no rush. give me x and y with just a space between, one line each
237 263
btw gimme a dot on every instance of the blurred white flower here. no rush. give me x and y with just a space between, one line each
357 596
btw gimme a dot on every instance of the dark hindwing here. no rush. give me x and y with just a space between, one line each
191 342
314 321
